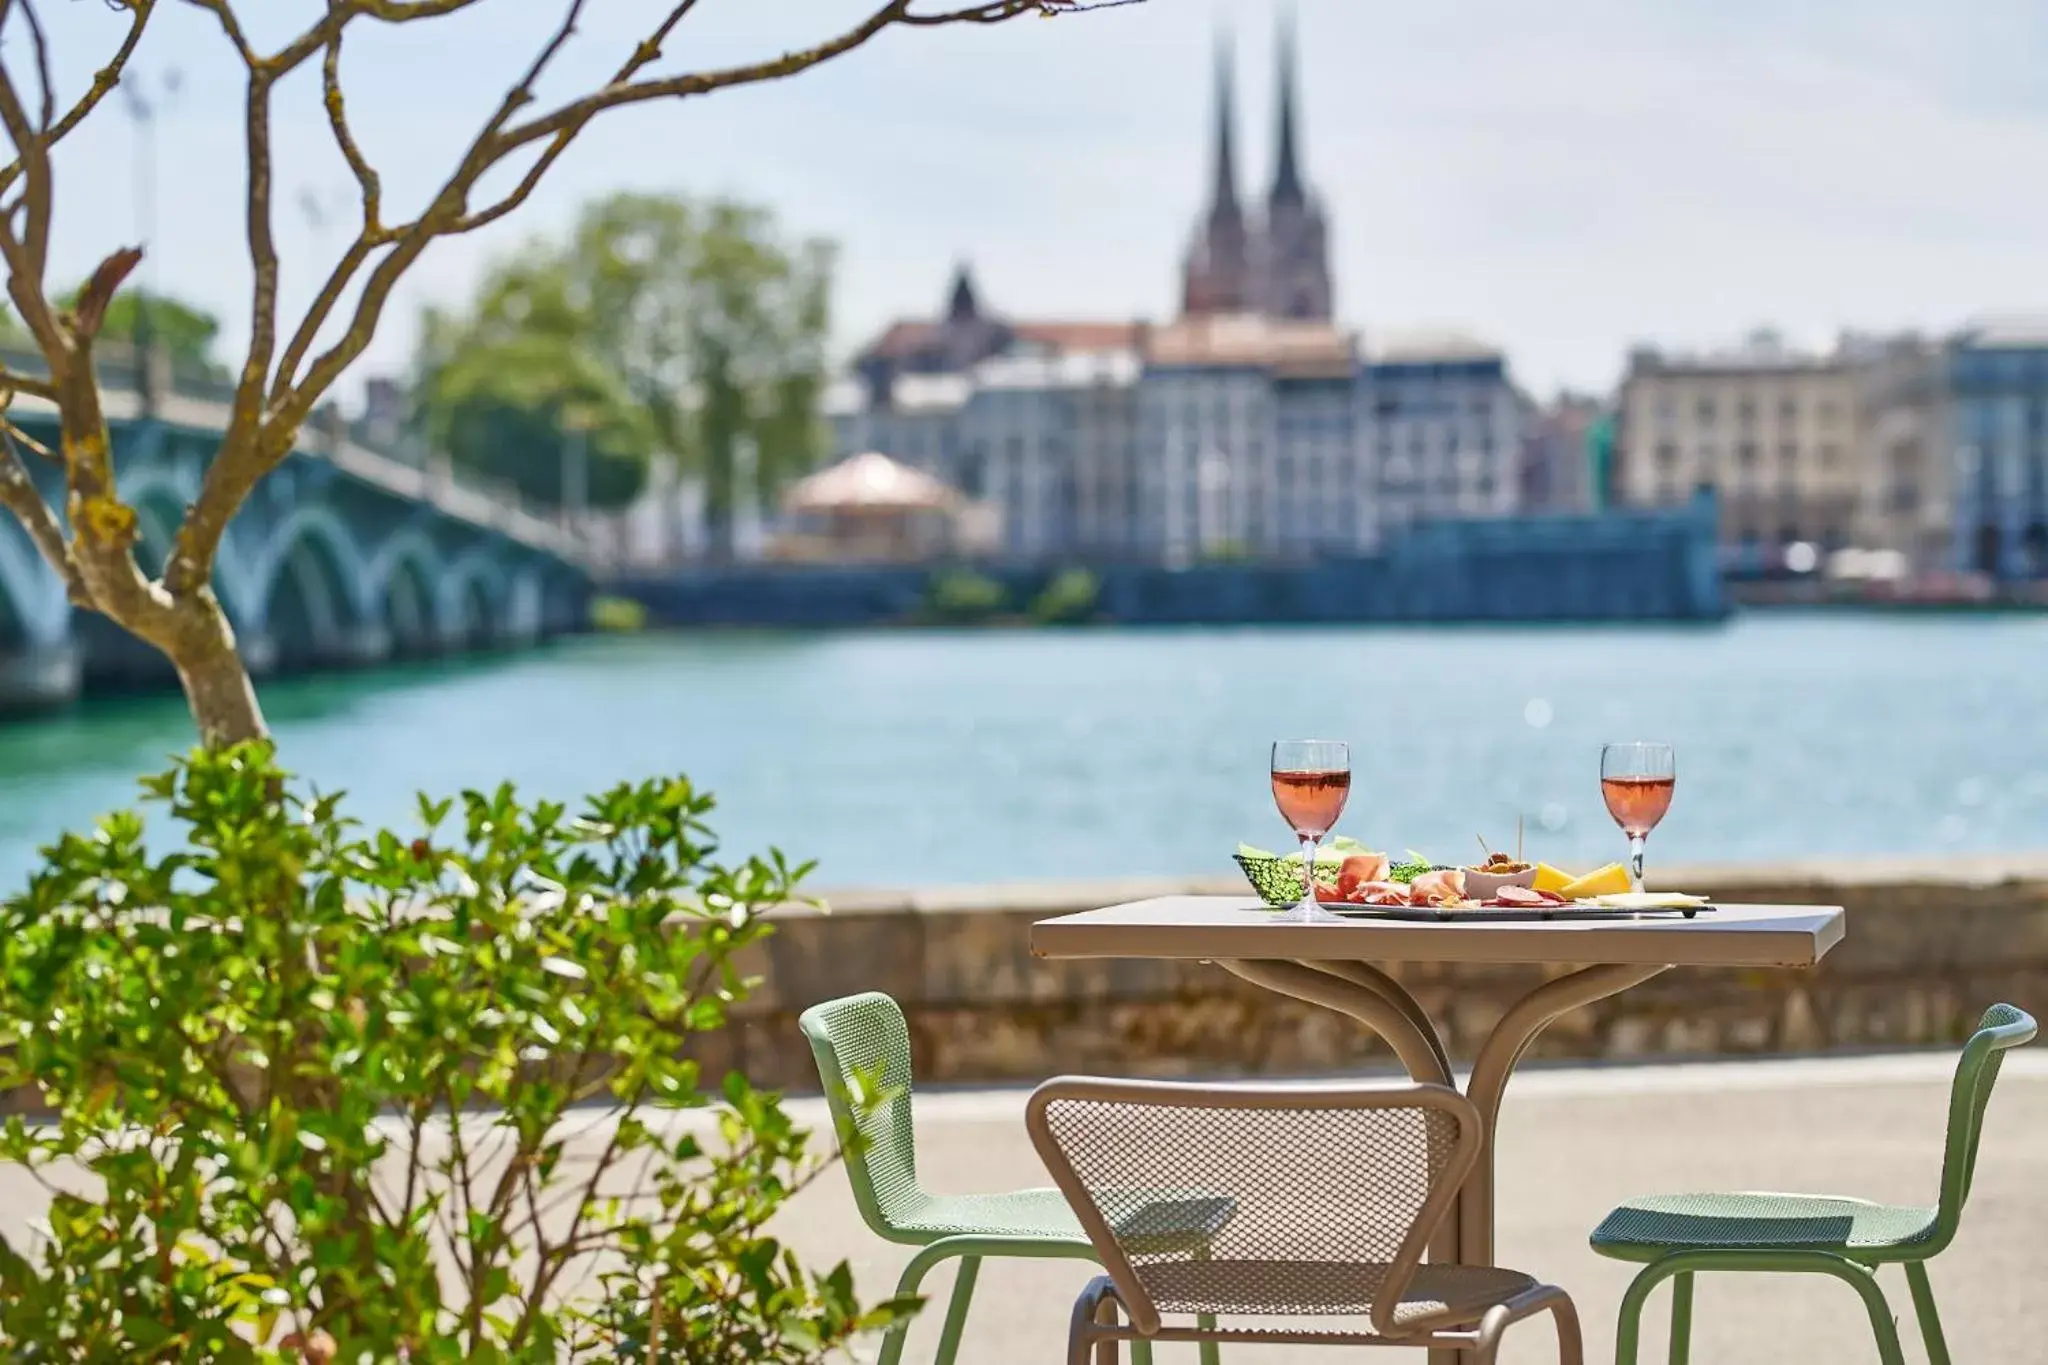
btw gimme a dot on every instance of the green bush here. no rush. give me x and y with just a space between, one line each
1070 597
425 1098
962 595
620 614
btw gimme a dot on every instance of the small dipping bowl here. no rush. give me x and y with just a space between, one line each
1482 885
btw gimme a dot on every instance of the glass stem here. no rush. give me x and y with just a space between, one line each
1308 870
1635 862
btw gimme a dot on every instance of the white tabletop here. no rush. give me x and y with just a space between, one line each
1240 927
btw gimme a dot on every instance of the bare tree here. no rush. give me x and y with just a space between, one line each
288 370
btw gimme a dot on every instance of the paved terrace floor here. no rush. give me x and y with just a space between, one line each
1573 1142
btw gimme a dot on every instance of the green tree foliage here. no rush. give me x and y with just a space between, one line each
662 325
1071 597
428 1098
962 596
186 331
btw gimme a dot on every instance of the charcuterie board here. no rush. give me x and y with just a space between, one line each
1482 914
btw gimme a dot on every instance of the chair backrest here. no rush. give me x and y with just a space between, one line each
1255 1199
862 1048
2003 1026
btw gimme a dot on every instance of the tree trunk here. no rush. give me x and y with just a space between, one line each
216 681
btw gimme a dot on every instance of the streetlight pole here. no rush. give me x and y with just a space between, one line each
143 111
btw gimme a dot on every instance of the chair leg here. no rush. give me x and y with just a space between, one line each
1571 1342
1105 1346
1628 1327
956 1309
1681 1318
1923 1308
1628 1330
1211 1354
1081 1327
907 1284
1882 1324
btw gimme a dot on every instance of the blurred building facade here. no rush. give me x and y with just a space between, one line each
1996 382
1771 430
1559 454
1932 452
1252 425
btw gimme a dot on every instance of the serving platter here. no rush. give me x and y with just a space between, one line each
1500 914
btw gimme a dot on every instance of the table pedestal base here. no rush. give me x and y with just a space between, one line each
1372 997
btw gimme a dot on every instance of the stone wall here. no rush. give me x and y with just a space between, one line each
1926 950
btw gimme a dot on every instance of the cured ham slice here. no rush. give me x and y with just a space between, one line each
1359 869
1443 887
1379 893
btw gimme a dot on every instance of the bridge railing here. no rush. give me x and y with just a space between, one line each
204 400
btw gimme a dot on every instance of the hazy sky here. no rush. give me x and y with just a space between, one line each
1559 178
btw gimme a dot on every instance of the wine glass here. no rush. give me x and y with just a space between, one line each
1636 781
1311 779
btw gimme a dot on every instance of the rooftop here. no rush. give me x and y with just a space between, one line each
1420 345
2014 330
1249 340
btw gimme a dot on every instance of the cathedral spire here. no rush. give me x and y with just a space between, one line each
1286 170
1223 195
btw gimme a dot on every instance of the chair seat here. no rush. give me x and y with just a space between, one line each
1439 1296
1645 1229
1168 1221
1030 1215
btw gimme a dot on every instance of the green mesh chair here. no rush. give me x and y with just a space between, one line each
863 1052
1680 1236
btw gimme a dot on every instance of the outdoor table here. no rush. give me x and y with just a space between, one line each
1334 965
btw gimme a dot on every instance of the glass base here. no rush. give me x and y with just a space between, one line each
1307 912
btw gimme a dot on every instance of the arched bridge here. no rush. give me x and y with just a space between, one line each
344 556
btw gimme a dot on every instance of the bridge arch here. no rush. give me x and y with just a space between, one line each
475 601
309 579
33 609
401 591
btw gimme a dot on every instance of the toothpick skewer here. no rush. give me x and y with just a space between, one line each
1518 838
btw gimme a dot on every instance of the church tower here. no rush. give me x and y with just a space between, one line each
1294 264
1218 277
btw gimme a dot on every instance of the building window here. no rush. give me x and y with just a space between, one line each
1829 409
1788 409
1788 453
1704 412
1745 454
1830 453
1745 412
1667 455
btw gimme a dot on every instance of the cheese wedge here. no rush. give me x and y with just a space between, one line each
1611 880
1550 878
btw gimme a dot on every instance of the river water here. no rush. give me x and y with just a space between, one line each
922 757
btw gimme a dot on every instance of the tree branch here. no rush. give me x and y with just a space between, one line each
649 50
42 47
28 252
12 383
98 291
19 495
232 27
247 456
337 116
293 54
103 80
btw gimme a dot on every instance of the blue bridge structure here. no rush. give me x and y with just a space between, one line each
347 555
